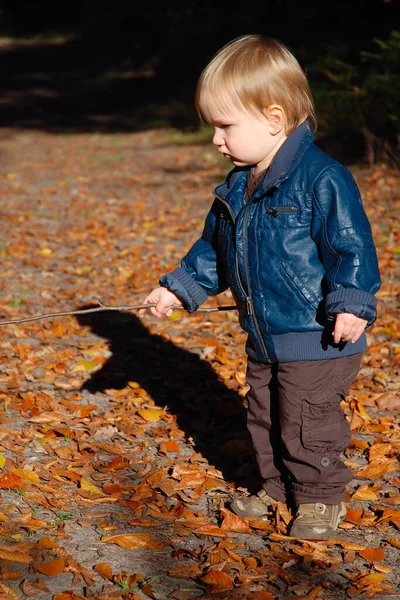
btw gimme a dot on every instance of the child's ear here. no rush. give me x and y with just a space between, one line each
276 118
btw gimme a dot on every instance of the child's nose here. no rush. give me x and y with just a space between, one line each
217 140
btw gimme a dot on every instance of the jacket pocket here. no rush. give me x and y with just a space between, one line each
275 211
299 286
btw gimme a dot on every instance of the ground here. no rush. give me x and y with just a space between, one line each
123 438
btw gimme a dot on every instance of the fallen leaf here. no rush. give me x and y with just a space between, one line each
220 581
90 487
130 541
51 567
364 492
375 470
105 570
232 522
28 475
14 555
151 415
373 554
11 481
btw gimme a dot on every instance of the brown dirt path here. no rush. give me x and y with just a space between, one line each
115 425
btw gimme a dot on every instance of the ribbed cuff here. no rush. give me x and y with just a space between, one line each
349 300
185 287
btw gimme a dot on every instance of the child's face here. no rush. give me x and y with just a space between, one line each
243 137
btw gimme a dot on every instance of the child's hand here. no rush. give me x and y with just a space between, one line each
164 299
348 328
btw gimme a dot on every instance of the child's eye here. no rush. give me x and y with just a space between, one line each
226 126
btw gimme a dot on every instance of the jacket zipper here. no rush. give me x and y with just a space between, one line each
276 210
248 300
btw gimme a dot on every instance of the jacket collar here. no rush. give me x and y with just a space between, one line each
286 160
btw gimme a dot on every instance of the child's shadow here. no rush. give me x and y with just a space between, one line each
208 412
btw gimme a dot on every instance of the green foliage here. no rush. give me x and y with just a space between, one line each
361 98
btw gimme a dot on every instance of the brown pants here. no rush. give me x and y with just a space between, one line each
298 428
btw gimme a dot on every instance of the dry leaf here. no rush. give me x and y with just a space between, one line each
51 567
151 415
232 522
14 555
364 492
220 581
130 541
28 475
90 487
375 470
373 554
104 570
11 481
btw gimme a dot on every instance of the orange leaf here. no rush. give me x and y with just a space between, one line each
51 567
7 553
347 545
11 480
117 463
184 572
172 446
209 529
10 575
232 522
133 540
375 470
104 570
394 542
219 580
373 554
260 596
353 516
47 543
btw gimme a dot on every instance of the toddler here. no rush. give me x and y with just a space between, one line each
288 235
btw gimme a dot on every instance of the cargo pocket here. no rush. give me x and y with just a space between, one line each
324 427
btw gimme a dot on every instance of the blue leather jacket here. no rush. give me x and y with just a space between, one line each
299 251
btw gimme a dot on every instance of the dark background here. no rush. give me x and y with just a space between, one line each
117 65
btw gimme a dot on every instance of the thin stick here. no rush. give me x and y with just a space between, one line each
103 307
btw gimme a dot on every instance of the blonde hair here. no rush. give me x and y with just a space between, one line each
254 72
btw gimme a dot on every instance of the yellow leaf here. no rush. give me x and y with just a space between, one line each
364 492
10 176
2 461
176 315
362 412
152 415
17 537
27 474
90 487
85 365
46 252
